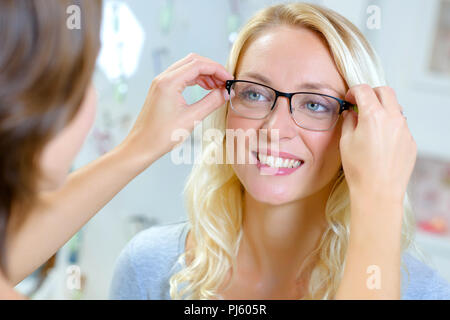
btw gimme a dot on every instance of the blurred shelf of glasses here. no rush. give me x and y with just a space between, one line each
429 194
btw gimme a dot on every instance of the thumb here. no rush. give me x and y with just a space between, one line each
209 103
349 123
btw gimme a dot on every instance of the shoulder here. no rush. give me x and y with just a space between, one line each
144 266
158 241
420 281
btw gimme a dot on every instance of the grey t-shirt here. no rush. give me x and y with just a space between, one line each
145 265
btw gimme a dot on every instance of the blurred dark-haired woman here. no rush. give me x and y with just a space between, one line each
47 107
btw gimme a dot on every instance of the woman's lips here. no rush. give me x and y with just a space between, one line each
268 170
280 154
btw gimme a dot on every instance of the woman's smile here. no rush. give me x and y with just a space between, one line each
268 163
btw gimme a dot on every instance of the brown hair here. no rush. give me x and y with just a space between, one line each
45 69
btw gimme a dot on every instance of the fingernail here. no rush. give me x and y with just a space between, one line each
225 94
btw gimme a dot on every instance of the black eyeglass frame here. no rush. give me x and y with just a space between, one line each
344 105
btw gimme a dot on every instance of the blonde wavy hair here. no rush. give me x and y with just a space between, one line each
214 194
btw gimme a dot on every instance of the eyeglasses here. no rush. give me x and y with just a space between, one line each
309 110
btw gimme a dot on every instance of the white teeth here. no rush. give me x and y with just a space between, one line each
278 162
291 163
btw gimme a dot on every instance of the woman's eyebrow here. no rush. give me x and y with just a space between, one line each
320 86
258 77
306 85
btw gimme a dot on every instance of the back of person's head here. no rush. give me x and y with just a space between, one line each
214 194
45 70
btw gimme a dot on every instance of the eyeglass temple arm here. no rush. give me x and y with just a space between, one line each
347 106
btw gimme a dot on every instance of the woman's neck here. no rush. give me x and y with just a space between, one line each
278 238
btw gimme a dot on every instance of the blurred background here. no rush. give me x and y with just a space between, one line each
142 38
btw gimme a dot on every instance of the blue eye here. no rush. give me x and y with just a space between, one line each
253 96
315 106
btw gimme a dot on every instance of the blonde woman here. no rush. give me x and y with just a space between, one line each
330 219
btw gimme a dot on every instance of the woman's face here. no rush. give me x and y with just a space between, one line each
60 152
289 59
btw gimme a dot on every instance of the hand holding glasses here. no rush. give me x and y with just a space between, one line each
309 110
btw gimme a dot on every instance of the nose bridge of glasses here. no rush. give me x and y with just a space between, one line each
284 108
287 97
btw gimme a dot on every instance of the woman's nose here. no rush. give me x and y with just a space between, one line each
280 118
